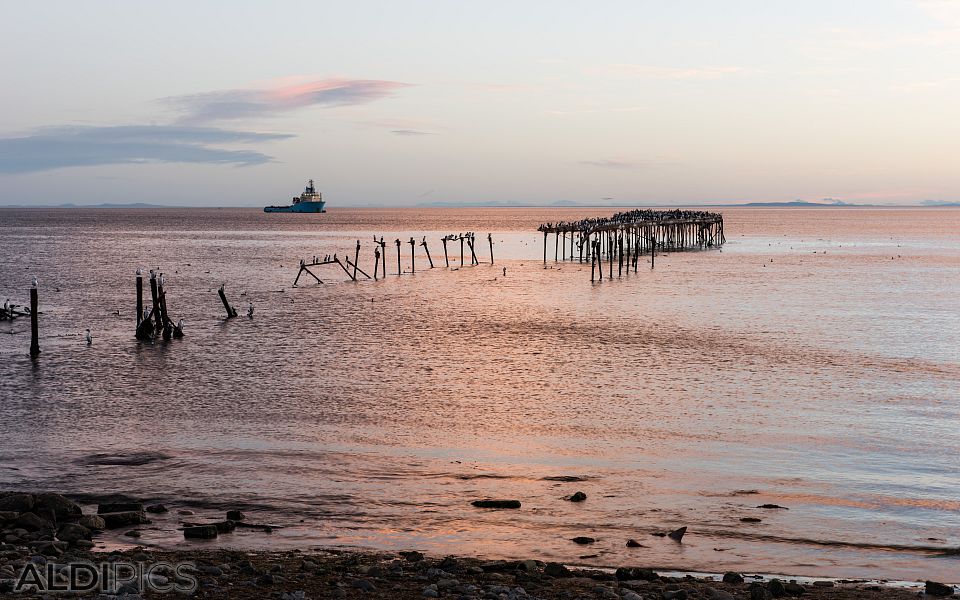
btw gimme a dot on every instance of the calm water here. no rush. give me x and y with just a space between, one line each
813 363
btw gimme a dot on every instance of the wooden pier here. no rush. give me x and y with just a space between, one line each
351 268
626 236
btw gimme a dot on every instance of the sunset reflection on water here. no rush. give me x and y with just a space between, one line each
813 361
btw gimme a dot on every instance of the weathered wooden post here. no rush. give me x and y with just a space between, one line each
157 322
490 239
461 249
413 255
424 244
399 270
653 251
611 250
383 249
556 245
470 242
139 296
620 255
223 298
356 259
164 315
376 264
593 267
598 252
444 239
34 321
544 246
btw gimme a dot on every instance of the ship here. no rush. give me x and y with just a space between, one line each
310 201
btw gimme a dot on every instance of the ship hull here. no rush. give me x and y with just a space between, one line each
299 207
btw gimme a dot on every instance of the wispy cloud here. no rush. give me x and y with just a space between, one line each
593 111
75 146
623 163
232 104
659 72
926 86
411 132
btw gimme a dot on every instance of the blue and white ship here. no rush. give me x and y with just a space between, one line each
310 201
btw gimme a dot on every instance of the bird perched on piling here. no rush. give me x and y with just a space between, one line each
35 282
89 337
178 329
250 310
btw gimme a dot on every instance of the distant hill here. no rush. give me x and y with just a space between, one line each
939 203
801 203
72 205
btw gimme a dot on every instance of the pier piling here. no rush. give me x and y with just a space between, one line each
356 259
155 311
424 244
399 269
34 321
413 255
231 313
139 296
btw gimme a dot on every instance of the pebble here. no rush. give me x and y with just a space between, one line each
580 539
364 584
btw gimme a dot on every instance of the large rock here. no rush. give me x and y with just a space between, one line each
61 507
935 588
32 522
200 532
16 502
71 532
118 507
554 569
95 522
113 520
630 573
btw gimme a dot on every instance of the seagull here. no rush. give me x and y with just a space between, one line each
250 310
35 282
89 337
178 329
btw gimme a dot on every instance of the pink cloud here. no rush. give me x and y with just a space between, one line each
288 95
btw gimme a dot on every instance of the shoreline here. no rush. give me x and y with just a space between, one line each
36 529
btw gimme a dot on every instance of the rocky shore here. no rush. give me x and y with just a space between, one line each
45 533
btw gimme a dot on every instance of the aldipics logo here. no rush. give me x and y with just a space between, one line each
108 577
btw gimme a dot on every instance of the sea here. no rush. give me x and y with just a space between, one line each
812 362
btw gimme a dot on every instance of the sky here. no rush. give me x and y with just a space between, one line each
405 102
